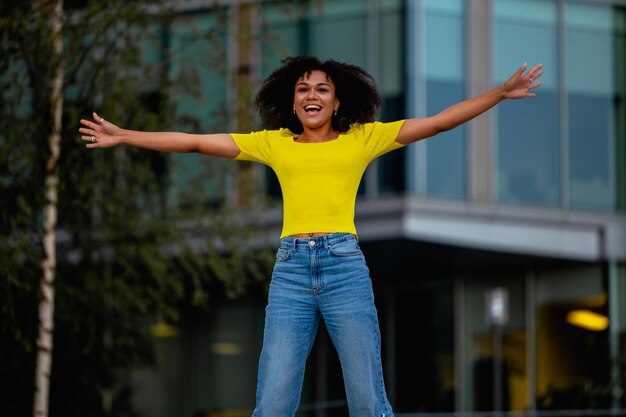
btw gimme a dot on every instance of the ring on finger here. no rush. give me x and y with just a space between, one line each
101 120
93 139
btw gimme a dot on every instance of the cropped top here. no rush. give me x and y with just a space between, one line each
319 181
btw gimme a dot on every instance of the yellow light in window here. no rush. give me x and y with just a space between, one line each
163 330
588 319
226 348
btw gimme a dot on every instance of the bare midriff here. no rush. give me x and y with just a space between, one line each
308 235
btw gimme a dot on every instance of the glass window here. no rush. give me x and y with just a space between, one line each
445 75
416 309
423 346
391 82
206 366
489 347
527 145
338 30
620 105
282 29
617 330
197 47
591 47
390 167
197 50
573 364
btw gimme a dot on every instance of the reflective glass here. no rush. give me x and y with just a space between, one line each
445 85
281 29
197 47
391 81
573 362
526 140
390 167
338 30
423 314
489 344
591 67
320 29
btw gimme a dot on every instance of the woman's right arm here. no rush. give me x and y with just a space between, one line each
107 134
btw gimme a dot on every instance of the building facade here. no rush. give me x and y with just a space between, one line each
497 250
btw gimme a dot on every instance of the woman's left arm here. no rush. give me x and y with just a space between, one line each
516 87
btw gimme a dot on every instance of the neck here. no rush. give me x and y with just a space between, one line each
320 134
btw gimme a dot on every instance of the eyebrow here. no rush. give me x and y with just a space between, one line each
307 83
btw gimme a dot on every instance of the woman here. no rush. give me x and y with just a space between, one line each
322 137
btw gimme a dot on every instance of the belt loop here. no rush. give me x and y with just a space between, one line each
294 244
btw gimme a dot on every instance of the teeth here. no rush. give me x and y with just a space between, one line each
312 107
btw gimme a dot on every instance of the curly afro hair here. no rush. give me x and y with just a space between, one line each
354 87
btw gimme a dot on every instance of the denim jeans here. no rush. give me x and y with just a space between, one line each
326 277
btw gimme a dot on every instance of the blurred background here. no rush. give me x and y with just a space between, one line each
497 250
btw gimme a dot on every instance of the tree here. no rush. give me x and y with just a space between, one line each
54 12
116 221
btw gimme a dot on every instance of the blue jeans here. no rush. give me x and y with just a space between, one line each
327 277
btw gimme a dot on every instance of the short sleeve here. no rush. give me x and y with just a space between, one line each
254 146
380 138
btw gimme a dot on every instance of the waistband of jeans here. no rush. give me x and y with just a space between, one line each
323 241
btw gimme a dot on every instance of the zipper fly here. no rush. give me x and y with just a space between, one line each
316 270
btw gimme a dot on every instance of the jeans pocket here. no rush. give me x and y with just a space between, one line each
345 248
283 254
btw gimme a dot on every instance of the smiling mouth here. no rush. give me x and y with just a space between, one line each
312 109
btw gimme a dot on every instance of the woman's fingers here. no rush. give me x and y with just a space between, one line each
97 118
523 81
90 131
89 124
92 142
535 73
98 121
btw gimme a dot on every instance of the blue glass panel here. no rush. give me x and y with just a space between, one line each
528 151
282 28
527 145
391 167
341 33
591 168
197 50
446 153
591 89
391 81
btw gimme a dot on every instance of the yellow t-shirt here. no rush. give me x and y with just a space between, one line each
319 181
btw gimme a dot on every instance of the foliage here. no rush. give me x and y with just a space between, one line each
125 252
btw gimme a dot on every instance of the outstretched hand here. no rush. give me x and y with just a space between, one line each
520 84
101 133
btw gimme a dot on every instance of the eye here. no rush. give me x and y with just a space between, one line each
323 90
302 90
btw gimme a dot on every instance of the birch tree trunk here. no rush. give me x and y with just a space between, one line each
48 265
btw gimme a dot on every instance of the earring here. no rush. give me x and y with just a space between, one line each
335 113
